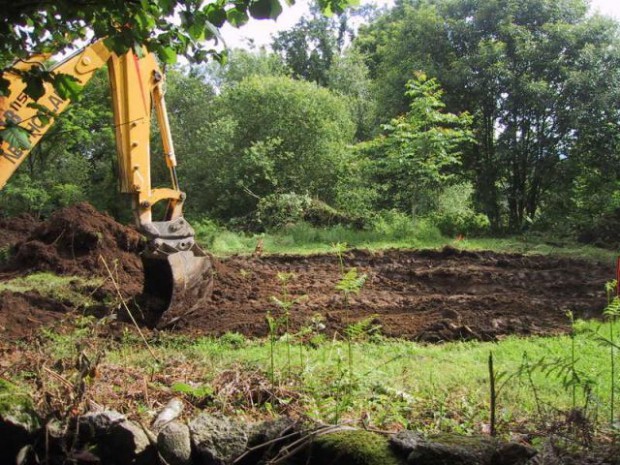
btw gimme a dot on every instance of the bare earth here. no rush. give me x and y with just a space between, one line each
429 296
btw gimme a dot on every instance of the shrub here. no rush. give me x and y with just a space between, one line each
455 214
206 231
277 210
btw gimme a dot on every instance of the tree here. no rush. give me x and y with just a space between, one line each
348 76
242 64
510 64
268 135
419 151
310 47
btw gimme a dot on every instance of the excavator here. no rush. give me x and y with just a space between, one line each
176 269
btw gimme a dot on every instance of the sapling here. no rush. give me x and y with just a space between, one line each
350 282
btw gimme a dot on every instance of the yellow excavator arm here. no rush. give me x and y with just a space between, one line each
174 265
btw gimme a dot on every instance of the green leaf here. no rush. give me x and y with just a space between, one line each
67 86
215 15
168 54
237 17
265 9
43 113
15 136
196 32
34 86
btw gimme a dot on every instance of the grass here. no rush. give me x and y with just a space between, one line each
306 239
72 290
396 384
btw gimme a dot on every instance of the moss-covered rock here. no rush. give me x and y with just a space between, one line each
354 447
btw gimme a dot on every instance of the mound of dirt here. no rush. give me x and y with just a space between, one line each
16 229
79 240
424 295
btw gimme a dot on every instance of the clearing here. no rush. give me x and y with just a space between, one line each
423 295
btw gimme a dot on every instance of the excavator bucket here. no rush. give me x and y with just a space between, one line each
177 272
175 282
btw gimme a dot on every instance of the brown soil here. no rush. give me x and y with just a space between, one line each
74 241
423 295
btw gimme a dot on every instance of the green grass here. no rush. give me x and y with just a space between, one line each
432 387
72 290
306 239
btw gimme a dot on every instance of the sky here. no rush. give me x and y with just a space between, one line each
260 32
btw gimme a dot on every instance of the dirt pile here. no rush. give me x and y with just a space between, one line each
79 240
16 229
422 295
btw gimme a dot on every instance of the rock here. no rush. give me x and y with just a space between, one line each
171 411
118 440
174 443
452 449
217 440
352 447
268 437
18 425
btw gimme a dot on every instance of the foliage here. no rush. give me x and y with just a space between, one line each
419 150
310 46
455 215
264 150
348 76
527 73
22 195
52 26
276 211
241 64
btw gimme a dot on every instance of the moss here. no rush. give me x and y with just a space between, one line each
353 448
16 406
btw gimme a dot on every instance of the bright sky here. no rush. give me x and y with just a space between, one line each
260 32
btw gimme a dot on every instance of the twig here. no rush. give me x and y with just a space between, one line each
290 450
59 377
118 291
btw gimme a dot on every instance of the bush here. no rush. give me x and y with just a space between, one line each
394 224
277 211
455 214
206 231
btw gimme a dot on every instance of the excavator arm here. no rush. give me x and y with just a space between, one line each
175 267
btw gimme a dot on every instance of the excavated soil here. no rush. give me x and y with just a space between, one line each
420 295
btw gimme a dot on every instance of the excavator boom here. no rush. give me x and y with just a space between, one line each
175 267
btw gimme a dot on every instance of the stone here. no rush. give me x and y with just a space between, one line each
453 449
217 440
171 411
118 440
174 443
18 426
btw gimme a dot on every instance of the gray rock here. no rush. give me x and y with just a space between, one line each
170 412
18 426
217 440
174 444
118 440
452 449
